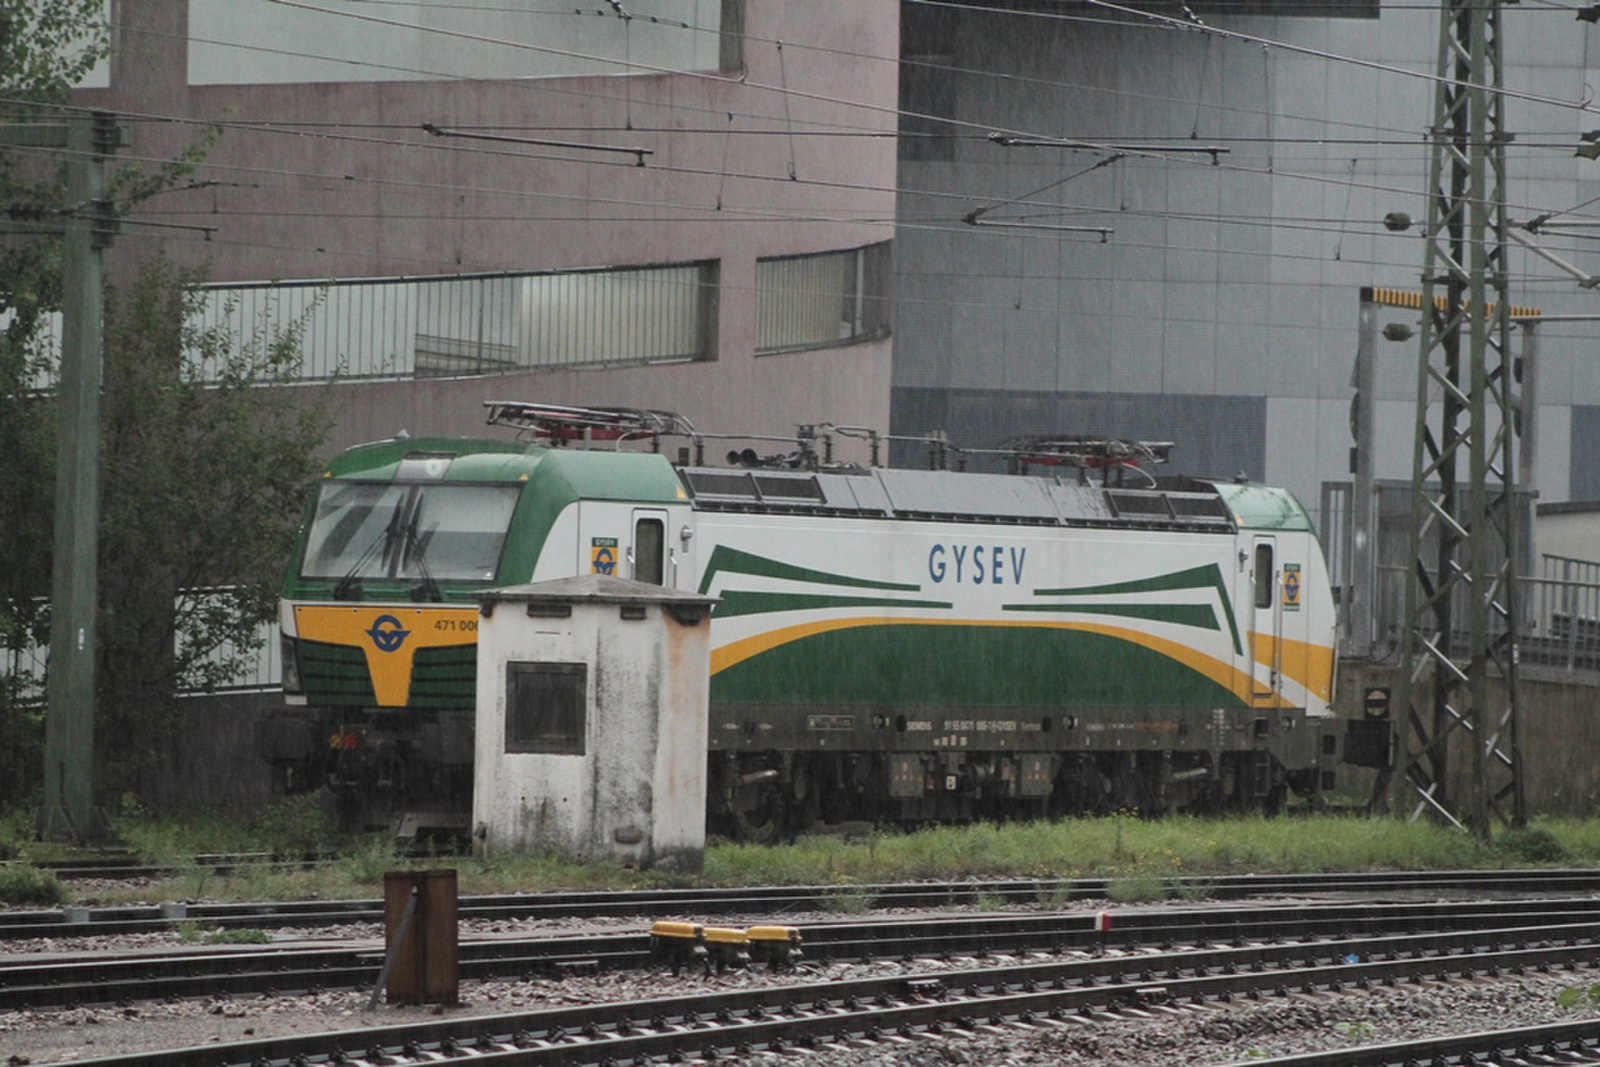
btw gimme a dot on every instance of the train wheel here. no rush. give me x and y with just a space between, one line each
805 802
761 824
1272 803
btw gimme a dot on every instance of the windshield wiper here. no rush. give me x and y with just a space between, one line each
415 550
349 587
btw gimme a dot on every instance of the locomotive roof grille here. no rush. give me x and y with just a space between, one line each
721 484
942 496
788 487
760 487
987 520
1137 504
1199 506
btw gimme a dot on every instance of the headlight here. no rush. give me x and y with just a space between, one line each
291 664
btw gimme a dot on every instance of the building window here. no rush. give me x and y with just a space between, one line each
730 54
474 325
545 707
822 300
638 315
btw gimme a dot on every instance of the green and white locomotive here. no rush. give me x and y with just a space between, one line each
895 645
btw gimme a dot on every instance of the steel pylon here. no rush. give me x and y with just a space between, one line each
1458 689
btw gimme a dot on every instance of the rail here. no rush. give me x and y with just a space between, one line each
831 1012
1147 944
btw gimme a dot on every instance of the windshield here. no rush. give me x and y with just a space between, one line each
433 532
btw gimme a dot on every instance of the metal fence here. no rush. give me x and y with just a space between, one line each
1558 608
25 666
1561 615
1569 569
1559 618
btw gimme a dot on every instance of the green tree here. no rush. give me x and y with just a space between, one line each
205 458
206 455
204 462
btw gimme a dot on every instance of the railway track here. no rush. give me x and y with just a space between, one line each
709 902
1565 1044
922 1007
127 867
1193 938
976 974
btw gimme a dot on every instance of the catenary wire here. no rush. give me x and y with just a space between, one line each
766 214
678 105
1219 217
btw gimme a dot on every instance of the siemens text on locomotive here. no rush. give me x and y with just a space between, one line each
888 644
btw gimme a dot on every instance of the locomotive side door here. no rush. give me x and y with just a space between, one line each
649 556
1266 623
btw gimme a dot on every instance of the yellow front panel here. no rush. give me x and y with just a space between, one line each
389 636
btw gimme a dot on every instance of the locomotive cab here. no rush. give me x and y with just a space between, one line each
380 613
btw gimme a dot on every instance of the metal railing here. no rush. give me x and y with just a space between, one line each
1569 569
822 299
1560 618
1562 623
26 667
479 324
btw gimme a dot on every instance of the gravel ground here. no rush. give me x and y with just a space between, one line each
1216 1033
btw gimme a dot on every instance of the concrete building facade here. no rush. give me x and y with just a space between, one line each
690 180
1140 284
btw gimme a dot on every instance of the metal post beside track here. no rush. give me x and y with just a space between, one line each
419 916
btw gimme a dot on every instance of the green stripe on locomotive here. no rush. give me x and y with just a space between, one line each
951 664
337 676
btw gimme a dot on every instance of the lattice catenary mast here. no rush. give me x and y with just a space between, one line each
1458 684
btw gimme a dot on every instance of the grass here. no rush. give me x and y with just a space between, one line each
200 934
24 884
1168 858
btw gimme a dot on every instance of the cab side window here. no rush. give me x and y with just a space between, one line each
649 556
1263 576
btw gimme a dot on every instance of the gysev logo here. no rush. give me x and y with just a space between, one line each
603 555
387 634
1291 587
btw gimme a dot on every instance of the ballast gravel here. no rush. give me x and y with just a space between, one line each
1214 1033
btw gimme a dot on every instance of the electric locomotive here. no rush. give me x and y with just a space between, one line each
895 645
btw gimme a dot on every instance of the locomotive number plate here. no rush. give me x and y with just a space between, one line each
830 722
